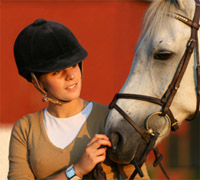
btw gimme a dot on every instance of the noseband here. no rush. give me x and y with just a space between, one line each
165 102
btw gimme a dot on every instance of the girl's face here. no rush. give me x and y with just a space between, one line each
63 85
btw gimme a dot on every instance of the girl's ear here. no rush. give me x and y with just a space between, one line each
37 83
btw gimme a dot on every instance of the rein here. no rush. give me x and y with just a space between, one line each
165 102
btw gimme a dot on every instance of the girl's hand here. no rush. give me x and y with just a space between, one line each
94 153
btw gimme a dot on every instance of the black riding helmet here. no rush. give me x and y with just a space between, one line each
46 46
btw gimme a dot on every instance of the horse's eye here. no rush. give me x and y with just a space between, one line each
163 55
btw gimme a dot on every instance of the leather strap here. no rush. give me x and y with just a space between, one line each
192 43
44 93
174 124
144 156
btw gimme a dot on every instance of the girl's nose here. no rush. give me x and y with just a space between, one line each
69 73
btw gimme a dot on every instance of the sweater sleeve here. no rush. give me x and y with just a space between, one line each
19 167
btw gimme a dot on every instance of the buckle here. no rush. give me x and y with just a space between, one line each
190 42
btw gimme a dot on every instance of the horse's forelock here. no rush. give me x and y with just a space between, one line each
156 16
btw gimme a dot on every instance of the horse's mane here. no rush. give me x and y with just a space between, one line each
156 15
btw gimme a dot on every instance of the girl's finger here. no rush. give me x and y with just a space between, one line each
98 143
100 152
96 137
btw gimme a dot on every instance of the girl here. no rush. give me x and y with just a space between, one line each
65 140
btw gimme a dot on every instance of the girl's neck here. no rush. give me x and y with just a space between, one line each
67 109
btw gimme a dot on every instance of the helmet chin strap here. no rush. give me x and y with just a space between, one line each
44 93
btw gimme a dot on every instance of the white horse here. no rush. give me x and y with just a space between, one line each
159 50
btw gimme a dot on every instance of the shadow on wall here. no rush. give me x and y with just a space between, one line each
5 132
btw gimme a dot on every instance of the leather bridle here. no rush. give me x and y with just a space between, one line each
167 99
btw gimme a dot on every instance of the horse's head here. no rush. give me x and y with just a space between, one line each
157 56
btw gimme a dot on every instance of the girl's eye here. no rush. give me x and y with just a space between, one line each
55 73
75 65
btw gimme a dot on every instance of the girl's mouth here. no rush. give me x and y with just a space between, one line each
72 87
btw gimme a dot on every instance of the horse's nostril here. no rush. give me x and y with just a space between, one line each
116 141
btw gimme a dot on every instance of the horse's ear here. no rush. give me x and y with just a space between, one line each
185 5
180 3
